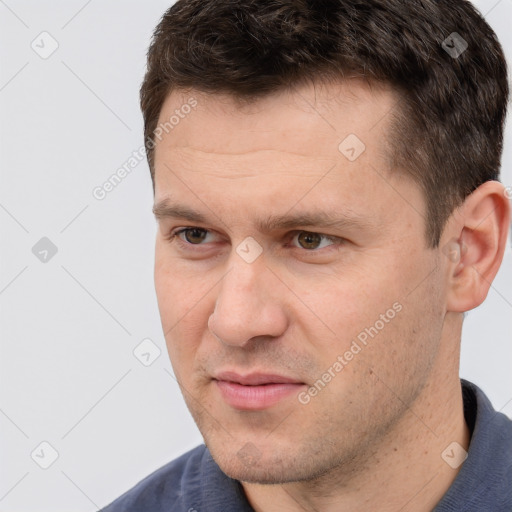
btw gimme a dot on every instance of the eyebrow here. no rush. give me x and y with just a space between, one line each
316 218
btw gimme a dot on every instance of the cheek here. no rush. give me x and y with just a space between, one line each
177 289
183 338
403 352
349 304
369 324
185 303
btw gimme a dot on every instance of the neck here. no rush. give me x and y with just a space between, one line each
404 472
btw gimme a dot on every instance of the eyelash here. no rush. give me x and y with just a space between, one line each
337 240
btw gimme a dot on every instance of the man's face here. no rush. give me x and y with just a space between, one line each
297 346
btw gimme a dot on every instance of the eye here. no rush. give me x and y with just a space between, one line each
312 241
192 236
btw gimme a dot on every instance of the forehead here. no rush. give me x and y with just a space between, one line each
309 121
323 144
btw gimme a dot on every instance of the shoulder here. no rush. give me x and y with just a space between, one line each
491 430
164 487
485 478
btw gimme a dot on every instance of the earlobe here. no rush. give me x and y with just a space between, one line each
477 241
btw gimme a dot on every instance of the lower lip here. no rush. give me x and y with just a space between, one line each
255 397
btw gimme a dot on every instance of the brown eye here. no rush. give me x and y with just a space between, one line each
309 240
194 235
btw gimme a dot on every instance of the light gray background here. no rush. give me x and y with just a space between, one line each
69 326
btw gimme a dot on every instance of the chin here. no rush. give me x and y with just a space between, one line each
264 474
251 466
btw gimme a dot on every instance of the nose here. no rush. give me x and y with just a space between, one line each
247 305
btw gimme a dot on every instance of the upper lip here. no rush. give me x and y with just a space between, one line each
255 379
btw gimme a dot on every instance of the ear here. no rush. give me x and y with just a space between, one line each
477 240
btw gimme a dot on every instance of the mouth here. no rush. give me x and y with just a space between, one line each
255 391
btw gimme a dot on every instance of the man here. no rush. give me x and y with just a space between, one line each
326 188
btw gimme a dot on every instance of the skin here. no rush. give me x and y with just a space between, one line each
372 438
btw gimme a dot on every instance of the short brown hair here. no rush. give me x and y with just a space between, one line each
448 129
